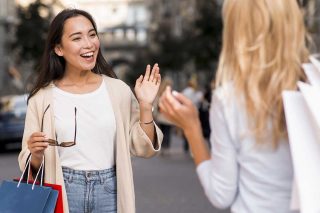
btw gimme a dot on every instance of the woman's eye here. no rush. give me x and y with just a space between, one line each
93 35
76 39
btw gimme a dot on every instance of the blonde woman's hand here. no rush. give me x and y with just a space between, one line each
179 110
37 143
147 86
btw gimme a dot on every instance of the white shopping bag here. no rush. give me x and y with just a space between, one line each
311 95
312 73
304 136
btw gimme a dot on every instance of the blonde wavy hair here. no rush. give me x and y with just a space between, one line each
264 45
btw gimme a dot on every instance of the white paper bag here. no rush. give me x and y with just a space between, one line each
304 138
313 74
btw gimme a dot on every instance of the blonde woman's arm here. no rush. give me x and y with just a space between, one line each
181 111
218 172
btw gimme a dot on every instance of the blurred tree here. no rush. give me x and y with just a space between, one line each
198 39
139 66
31 31
207 39
173 50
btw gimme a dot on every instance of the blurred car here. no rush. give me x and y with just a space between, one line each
12 116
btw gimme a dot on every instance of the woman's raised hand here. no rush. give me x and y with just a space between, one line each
179 110
147 86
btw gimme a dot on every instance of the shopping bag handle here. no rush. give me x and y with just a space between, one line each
28 165
30 175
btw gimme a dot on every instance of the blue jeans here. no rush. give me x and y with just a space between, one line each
91 191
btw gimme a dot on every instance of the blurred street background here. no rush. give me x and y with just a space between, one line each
183 36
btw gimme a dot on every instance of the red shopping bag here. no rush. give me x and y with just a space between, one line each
59 204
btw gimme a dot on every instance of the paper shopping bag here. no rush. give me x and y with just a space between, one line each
311 96
26 198
59 204
304 137
58 188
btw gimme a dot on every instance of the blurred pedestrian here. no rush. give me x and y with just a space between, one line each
85 122
192 91
195 95
250 166
204 109
16 78
164 124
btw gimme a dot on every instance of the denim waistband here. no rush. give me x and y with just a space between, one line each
88 175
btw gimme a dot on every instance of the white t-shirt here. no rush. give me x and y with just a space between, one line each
96 129
249 177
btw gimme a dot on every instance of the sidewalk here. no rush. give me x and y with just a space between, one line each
169 184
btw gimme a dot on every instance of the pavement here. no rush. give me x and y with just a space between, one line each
169 183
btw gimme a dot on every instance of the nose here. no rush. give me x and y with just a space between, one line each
87 42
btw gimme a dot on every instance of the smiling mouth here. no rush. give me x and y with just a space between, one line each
87 55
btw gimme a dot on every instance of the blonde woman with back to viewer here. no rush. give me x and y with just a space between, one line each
250 166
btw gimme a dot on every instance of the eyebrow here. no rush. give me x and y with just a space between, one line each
79 33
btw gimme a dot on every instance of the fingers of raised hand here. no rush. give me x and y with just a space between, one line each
152 75
165 108
182 99
139 80
169 103
157 76
147 74
155 71
168 111
158 79
171 99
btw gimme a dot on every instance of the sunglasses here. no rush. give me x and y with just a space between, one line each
55 142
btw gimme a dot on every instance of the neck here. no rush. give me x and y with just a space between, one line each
77 78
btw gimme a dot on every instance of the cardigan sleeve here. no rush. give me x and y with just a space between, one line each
31 125
140 144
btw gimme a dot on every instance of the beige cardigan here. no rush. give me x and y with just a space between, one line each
130 138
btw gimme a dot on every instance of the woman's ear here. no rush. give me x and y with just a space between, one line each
57 50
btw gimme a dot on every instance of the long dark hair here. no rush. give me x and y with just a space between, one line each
52 66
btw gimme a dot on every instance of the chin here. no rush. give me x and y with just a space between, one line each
88 67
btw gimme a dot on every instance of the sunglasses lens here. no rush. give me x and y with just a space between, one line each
52 142
67 144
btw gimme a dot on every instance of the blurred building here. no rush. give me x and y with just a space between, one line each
312 16
7 19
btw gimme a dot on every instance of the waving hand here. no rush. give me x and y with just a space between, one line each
147 86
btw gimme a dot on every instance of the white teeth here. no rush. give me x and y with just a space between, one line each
87 54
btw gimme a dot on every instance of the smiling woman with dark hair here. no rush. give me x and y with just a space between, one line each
85 122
